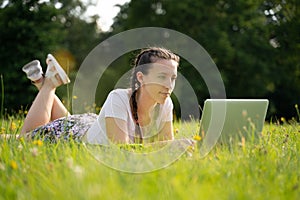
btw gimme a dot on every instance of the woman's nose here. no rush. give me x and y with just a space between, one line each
169 84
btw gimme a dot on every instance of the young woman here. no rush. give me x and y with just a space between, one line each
140 114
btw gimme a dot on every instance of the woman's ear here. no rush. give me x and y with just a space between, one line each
140 77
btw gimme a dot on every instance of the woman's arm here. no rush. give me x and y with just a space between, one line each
116 130
166 133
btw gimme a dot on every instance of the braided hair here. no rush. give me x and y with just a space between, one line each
145 57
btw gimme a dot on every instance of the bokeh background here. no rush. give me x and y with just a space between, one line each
255 44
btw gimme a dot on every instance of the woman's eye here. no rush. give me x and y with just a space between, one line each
162 77
174 79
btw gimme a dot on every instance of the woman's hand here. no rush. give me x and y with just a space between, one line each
166 133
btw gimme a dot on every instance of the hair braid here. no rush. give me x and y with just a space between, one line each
138 133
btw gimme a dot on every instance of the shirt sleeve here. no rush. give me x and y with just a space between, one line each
116 106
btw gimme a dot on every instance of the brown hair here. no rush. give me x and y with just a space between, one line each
146 56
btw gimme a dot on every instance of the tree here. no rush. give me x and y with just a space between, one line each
283 23
236 34
30 30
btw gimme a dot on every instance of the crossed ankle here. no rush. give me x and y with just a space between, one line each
39 83
39 80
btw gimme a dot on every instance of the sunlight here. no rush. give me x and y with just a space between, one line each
106 10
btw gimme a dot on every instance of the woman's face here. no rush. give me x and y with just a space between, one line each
159 82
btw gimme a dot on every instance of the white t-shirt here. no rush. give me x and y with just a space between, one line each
117 105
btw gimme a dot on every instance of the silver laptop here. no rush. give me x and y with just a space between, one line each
229 120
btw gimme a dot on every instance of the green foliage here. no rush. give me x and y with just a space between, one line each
286 69
266 169
238 36
25 30
257 55
32 29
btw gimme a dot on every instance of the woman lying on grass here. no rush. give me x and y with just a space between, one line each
140 114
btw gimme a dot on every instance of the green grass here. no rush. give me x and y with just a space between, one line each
266 169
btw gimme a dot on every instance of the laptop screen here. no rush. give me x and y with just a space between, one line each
225 120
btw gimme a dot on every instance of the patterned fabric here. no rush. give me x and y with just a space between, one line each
66 128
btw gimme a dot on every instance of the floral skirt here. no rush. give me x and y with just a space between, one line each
65 128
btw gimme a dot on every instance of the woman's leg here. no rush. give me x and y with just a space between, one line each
58 109
45 107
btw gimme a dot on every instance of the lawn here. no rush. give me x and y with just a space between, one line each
264 169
